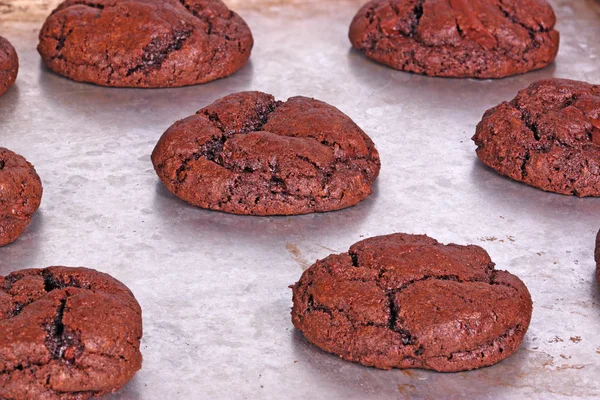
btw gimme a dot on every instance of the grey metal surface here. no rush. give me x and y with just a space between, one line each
214 287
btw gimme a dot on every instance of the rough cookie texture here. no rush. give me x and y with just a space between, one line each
547 137
249 154
67 334
20 195
407 301
9 65
457 38
597 256
145 43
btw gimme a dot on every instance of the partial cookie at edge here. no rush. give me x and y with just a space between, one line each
20 195
68 333
548 137
9 65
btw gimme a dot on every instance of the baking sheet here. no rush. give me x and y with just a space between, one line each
214 287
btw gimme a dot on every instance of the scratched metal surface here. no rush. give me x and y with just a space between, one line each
214 287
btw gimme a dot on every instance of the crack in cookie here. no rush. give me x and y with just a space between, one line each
546 137
407 301
66 332
145 43
250 154
457 38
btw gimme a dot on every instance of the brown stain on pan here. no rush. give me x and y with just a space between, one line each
406 389
297 255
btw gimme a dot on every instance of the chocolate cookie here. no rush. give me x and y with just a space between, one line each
457 38
20 195
9 65
597 256
145 43
249 154
407 301
547 137
67 334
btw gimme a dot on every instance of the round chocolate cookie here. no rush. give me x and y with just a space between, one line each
547 137
20 195
249 154
457 38
407 301
145 43
9 65
67 334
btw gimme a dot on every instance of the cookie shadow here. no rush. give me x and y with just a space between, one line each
328 369
25 252
394 86
502 193
116 105
131 391
185 219
9 102
595 289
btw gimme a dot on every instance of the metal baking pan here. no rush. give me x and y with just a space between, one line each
214 287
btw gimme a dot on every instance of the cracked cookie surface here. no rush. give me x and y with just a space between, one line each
250 154
407 301
145 43
548 137
9 65
457 38
67 334
20 195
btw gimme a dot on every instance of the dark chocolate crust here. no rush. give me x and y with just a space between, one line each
249 154
9 65
145 43
407 301
547 137
67 334
20 195
457 38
